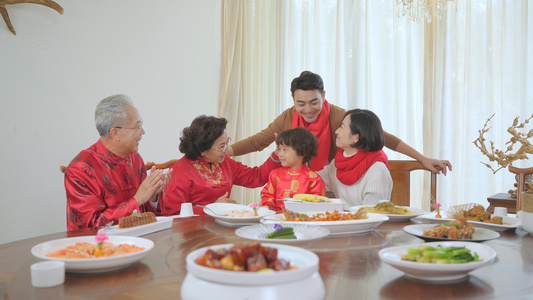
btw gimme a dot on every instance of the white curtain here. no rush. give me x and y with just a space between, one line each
432 85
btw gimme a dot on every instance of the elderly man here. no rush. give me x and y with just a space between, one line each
108 180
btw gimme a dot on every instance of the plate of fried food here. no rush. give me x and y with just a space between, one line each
336 222
476 215
438 261
79 253
394 212
454 230
138 224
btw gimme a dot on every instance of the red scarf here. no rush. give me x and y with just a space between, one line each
350 169
322 130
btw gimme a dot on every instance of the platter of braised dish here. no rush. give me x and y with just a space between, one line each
336 222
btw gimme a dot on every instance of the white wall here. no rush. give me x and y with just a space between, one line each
165 54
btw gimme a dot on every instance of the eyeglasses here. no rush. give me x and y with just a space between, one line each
140 127
224 147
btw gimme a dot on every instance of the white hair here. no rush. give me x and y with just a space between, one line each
111 112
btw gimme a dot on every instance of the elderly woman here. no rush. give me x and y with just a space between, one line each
206 173
359 173
108 180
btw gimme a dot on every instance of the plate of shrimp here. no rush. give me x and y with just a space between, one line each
454 230
78 252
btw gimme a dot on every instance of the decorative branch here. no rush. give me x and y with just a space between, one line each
500 157
3 11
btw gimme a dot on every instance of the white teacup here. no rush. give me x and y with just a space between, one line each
47 273
527 221
500 212
186 210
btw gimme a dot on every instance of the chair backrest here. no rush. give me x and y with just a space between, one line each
148 165
400 171
521 172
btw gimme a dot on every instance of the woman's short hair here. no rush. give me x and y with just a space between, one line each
307 81
111 112
301 140
201 135
367 124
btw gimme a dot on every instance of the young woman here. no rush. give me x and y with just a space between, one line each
359 173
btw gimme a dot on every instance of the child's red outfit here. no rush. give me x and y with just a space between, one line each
284 182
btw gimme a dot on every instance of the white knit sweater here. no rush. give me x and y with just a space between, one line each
374 185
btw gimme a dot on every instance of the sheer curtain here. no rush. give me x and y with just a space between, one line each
432 85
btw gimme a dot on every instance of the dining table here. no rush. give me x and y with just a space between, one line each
349 265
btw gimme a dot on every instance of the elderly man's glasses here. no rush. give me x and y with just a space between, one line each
140 127
223 148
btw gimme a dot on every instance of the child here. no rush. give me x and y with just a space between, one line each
296 147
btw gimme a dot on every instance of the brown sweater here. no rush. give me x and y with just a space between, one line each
265 137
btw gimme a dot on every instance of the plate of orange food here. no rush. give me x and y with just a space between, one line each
78 253
336 222
454 230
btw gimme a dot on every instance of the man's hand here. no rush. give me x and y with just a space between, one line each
224 199
150 187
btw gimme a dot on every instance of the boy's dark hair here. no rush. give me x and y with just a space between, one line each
301 140
367 124
201 135
307 81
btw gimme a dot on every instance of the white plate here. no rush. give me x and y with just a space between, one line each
481 234
508 222
437 272
304 233
392 217
94 265
304 206
335 227
161 224
305 260
223 207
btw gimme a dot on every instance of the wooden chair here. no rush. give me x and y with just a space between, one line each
400 171
148 165
521 172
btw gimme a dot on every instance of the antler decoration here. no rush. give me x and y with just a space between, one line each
47 3
502 158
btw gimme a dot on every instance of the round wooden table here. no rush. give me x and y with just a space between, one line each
349 266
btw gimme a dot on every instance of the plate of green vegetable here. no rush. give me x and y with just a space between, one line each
439 261
290 234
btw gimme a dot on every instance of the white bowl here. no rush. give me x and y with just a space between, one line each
527 221
305 260
298 206
219 208
92 265
437 272
305 234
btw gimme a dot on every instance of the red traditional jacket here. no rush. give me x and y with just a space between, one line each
100 187
199 182
285 182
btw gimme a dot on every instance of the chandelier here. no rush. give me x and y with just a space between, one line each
417 9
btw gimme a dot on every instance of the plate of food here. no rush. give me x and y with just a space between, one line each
78 253
394 212
455 230
293 272
306 203
494 223
289 234
235 214
138 226
336 222
456 260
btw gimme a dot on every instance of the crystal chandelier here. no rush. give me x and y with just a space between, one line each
417 9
